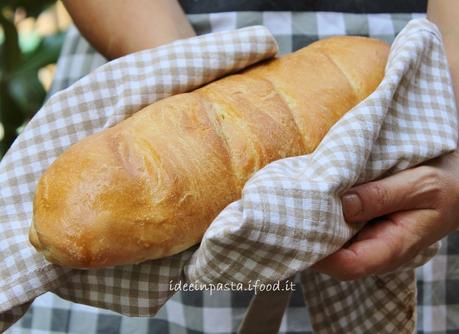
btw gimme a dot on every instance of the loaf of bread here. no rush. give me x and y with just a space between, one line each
150 186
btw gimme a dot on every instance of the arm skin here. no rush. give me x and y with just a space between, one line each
411 209
445 13
119 27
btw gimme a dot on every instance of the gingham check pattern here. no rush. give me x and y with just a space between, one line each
290 212
100 100
197 312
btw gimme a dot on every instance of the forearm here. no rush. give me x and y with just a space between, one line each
119 27
444 13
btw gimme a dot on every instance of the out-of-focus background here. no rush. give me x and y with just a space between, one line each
31 37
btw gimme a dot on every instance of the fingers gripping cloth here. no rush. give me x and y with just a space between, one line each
290 211
289 215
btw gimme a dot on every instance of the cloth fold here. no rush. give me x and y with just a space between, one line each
108 95
289 216
290 212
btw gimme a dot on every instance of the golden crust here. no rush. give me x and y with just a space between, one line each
150 186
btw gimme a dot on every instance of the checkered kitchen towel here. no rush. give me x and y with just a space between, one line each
419 58
108 95
290 214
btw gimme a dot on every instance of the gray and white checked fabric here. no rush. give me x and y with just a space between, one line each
290 211
438 280
99 100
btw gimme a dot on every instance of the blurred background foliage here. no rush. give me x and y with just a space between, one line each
31 36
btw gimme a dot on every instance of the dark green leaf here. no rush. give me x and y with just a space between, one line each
10 117
33 7
24 86
27 92
21 93
12 57
47 52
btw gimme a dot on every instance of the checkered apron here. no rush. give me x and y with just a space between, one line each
222 312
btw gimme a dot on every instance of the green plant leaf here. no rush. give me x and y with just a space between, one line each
10 117
24 86
12 57
33 7
21 93
27 92
47 52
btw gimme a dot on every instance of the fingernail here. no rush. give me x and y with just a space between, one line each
352 205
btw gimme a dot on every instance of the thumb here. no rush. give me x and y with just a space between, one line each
405 190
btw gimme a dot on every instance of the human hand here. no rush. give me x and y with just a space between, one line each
406 213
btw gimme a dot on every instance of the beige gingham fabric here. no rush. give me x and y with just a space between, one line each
99 100
289 215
